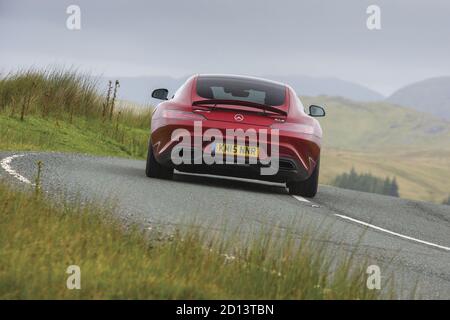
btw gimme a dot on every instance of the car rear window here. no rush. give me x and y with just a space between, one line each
244 89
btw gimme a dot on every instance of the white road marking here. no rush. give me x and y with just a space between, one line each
6 165
301 199
393 233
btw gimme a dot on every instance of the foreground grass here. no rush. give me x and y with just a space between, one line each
38 241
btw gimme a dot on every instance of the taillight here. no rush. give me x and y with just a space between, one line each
182 115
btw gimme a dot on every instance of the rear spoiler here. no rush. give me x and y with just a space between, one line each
256 105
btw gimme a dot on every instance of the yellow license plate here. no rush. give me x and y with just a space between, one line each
237 150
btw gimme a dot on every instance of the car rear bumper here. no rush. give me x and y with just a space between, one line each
297 156
288 168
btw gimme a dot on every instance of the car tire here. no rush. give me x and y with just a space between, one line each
307 188
153 169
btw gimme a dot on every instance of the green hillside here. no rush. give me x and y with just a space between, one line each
388 141
368 126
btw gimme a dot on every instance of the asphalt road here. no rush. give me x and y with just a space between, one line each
409 240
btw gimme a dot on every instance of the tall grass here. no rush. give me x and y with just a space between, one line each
39 240
65 98
51 92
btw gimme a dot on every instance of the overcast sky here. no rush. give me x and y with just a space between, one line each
176 38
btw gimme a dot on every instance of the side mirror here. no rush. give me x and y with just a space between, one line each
316 111
160 94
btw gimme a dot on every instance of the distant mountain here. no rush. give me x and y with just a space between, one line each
139 88
312 86
431 96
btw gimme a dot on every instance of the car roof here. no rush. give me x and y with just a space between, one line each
236 76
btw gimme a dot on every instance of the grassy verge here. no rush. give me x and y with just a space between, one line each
39 240
83 136
55 110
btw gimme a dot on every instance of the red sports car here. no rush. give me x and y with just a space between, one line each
236 126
